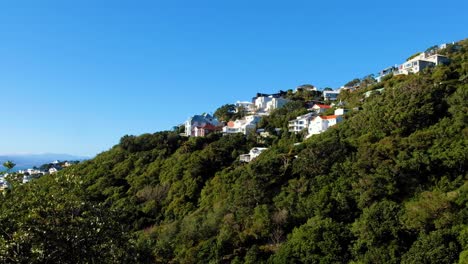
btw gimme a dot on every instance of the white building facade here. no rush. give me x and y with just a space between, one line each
245 126
265 104
254 153
320 124
300 123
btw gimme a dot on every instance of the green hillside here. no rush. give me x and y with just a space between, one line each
387 185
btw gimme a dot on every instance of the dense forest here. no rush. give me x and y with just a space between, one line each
389 184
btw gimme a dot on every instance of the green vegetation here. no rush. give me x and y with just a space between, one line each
387 185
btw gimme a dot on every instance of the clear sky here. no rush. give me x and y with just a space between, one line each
75 76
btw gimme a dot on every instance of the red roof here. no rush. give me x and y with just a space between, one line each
323 106
329 117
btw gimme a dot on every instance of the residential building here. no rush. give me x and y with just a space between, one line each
244 126
300 123
421 62
245 106
201 125
265 104
341 111
386 71
331 95
320 108
320 124
254 153
205 129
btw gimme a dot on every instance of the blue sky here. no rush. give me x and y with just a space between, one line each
75 76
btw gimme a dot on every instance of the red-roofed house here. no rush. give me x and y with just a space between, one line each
201 131
321 123
320 108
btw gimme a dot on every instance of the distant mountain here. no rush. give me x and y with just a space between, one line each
24 161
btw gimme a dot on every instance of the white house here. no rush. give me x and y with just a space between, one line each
247 107
420 62
53 170
200 125
246 125
330 95
265 104
341 111
300 123
320 124
254 152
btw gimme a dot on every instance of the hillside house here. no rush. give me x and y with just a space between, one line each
320 124
386 71
331 95
300 123
201 125
421 62
254 153
265 104
320 108
246 125
245 106
341 111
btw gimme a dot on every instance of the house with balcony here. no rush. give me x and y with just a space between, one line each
245 107
422 61
331 95
386 71
245 125
300 123
320 124
254 153
201 125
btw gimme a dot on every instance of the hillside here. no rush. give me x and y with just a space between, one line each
389 184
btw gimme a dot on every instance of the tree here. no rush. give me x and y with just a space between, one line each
9 165
50 220
317 241
225 112
353 82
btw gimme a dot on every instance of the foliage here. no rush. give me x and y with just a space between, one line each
50 220
386 185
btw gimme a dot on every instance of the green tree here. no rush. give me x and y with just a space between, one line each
9 165
50 221
225 112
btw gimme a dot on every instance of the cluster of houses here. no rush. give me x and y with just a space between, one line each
34 173
312 123
262 105
423 60
415 64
